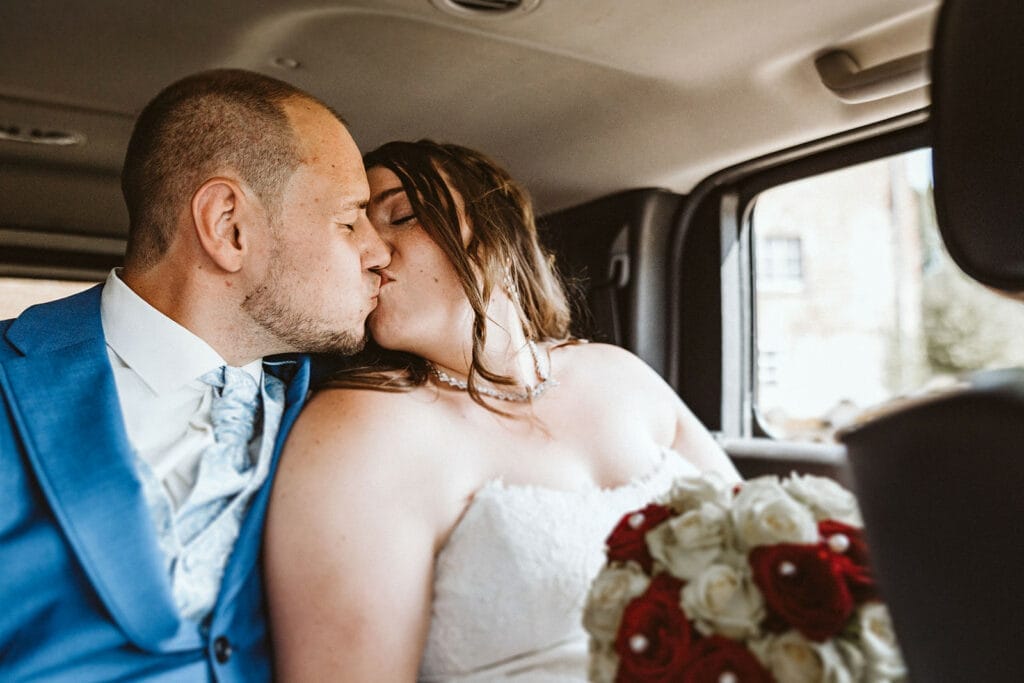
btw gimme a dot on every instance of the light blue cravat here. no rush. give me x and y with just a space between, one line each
198 538
226 465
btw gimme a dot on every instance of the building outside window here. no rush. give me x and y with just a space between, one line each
780 262
857 302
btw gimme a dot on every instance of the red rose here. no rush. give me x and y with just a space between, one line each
627 542
805 585
773 623
712 659
853 559
654 636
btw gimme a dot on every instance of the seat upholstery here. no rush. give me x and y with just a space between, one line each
977 109
940 487
613 252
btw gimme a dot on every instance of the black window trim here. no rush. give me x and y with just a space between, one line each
722 204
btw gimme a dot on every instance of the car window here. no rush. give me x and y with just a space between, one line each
857 301
17 294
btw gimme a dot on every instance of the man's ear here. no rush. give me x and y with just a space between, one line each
220 208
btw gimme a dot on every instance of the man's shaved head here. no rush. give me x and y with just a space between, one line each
210 122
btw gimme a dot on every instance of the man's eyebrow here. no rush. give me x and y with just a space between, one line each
384 194
360 204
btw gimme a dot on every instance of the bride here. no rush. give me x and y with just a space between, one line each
441 508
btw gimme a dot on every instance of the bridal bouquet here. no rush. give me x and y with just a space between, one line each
767 580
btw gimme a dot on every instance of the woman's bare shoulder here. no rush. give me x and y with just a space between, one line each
361 448
339 409
356 428
607 362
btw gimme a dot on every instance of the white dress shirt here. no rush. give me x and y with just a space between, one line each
157 364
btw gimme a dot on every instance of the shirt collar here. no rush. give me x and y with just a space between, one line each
161 352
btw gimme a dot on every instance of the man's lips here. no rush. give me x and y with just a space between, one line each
384 278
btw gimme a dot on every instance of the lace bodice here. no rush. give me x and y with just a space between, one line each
510 584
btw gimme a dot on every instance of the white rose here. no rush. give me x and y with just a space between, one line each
826 498
688 493
724 600
611 591
852 656
688 543
793 659
764 514
603 664
878 641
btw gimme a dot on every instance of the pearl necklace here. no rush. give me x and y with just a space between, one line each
543 374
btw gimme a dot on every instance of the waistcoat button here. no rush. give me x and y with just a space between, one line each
222 649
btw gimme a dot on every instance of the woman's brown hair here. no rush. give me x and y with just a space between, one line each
504 242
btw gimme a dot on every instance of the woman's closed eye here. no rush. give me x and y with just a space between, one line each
402 220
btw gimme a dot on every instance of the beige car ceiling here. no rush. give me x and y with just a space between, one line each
577 97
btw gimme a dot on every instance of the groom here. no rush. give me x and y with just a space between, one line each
141 420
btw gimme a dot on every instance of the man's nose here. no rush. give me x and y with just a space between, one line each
376 253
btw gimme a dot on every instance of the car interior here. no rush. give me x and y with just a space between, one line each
958 446
740 193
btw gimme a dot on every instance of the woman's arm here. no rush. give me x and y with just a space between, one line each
674 423
696 444
349 549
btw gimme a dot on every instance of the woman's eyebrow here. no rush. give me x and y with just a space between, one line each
384 194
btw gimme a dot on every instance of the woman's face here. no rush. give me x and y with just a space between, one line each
421 302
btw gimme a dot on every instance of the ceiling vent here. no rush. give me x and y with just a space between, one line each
485 8
38 136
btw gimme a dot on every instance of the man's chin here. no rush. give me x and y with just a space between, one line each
339 343
349 344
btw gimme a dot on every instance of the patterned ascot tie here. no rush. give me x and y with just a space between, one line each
225 466
198 538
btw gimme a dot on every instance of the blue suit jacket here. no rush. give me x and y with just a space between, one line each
83 593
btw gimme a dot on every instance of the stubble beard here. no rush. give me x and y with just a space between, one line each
280 314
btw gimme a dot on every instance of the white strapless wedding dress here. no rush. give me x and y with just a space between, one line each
510 585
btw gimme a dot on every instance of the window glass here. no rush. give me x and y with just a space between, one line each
780 264
857 301
17 294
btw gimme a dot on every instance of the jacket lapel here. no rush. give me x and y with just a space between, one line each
66 406
246 557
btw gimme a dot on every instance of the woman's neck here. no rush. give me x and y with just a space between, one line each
506 349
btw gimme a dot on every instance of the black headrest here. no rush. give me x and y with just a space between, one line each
939 483
978 127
